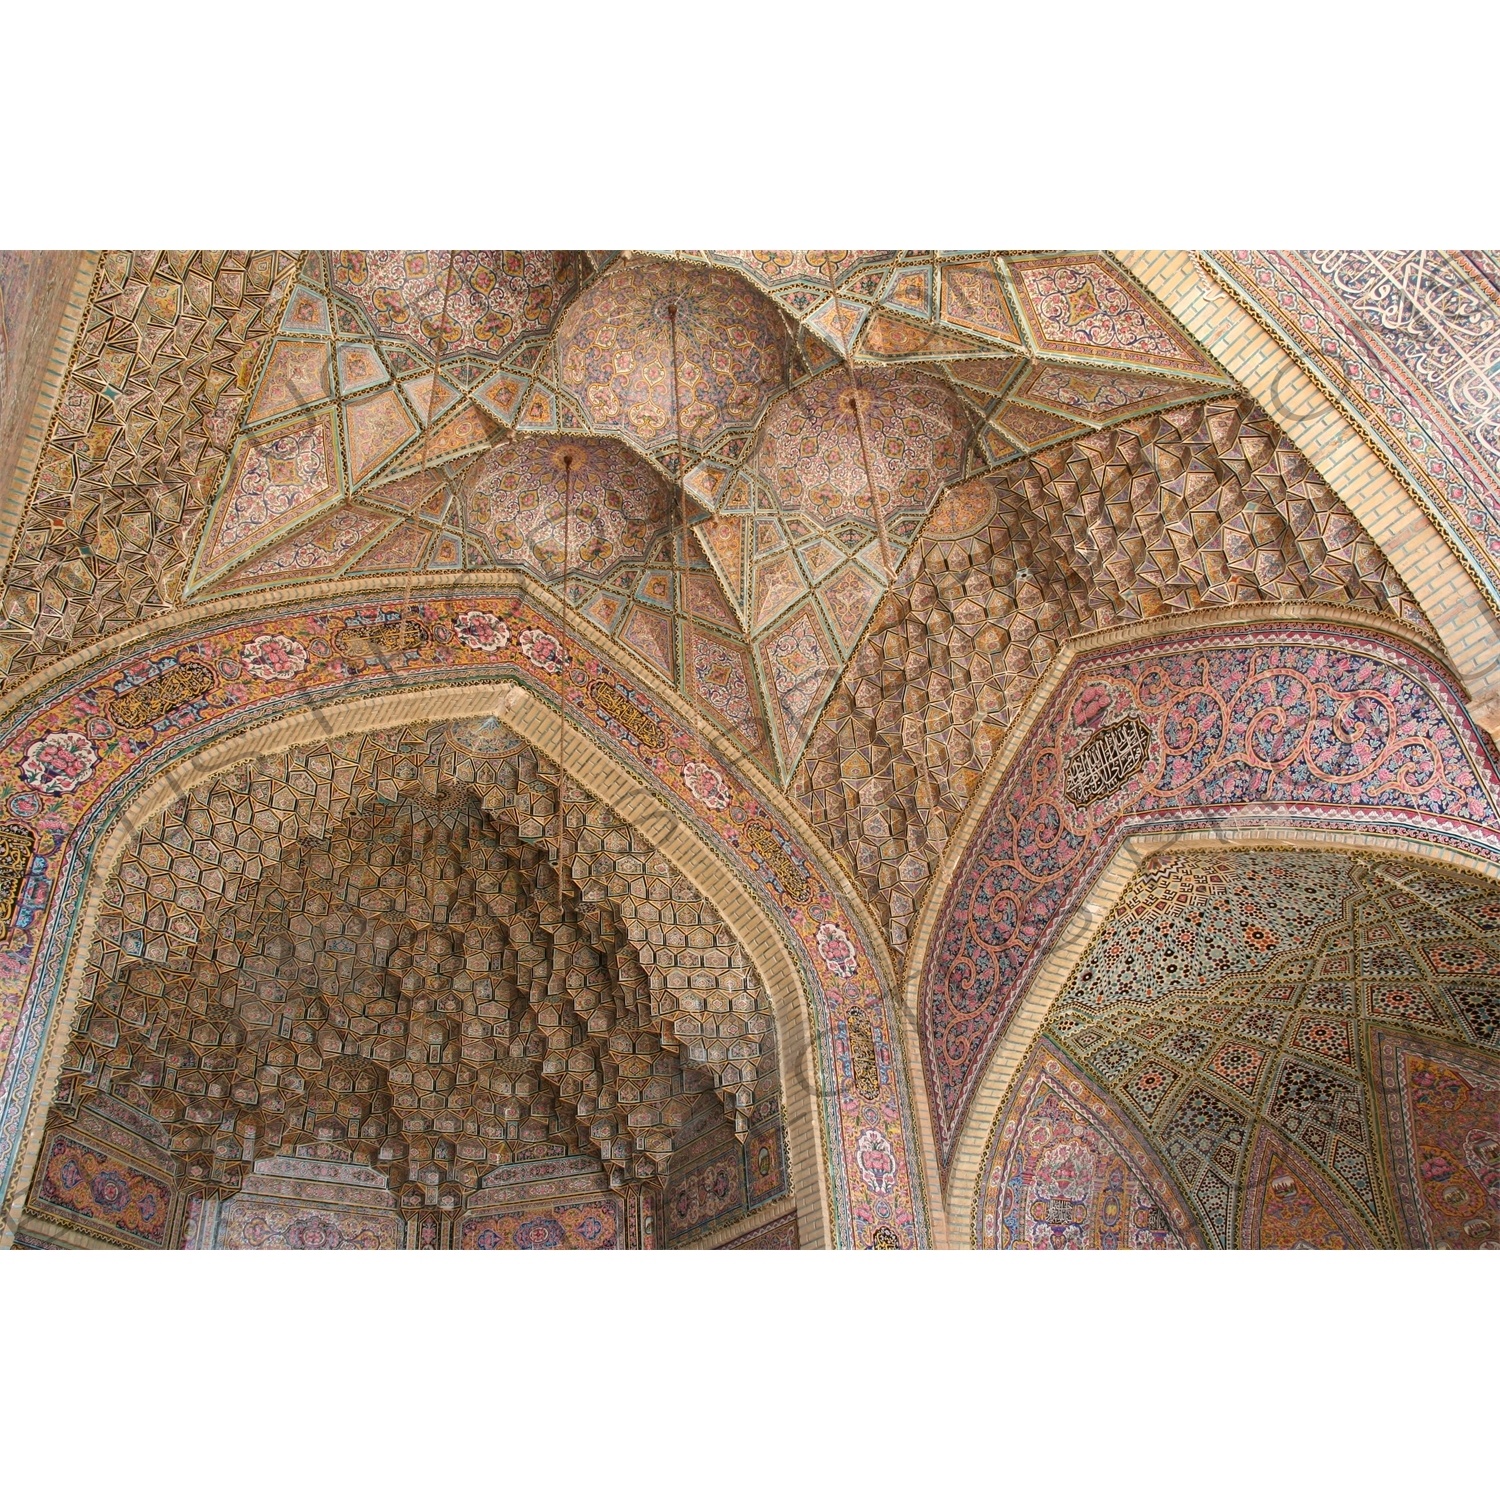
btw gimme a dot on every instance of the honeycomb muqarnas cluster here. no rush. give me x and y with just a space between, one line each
1199 506
381 951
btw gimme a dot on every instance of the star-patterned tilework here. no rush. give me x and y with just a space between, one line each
1232 1016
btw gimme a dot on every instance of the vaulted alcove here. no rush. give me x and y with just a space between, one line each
413 989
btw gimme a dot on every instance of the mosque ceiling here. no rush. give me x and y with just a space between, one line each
385 956
1265 1049
849 503
231 423
1194 507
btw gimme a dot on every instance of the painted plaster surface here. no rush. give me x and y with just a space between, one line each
264 666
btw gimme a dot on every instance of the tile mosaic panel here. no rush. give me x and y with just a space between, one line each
1203 1017
1276 725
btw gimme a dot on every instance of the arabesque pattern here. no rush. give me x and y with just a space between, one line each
1276 726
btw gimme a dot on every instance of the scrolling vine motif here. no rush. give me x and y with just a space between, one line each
1316 726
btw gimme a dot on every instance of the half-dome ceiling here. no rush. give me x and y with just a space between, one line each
619 343
565 505
824 444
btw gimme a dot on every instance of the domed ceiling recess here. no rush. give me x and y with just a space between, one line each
722 457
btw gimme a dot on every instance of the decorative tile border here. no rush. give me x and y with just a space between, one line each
71 769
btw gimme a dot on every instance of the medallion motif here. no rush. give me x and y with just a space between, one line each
274 658
762 839
706 785
481 631
17 849
836 951
371 642
863 1058
59 762
876 1161
542 649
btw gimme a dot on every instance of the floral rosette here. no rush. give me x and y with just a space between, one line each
876 1159
481 631
274 658
707 785
542 649
836 951
59 762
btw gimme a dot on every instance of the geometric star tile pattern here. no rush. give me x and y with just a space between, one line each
1302 1046
391 411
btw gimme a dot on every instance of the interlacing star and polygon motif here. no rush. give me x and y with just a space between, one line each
371 405
1303 1046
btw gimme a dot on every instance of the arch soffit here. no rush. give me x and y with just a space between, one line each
987 1108
601 774
52 682
1396 518
1302 612
427 587
1031 1013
